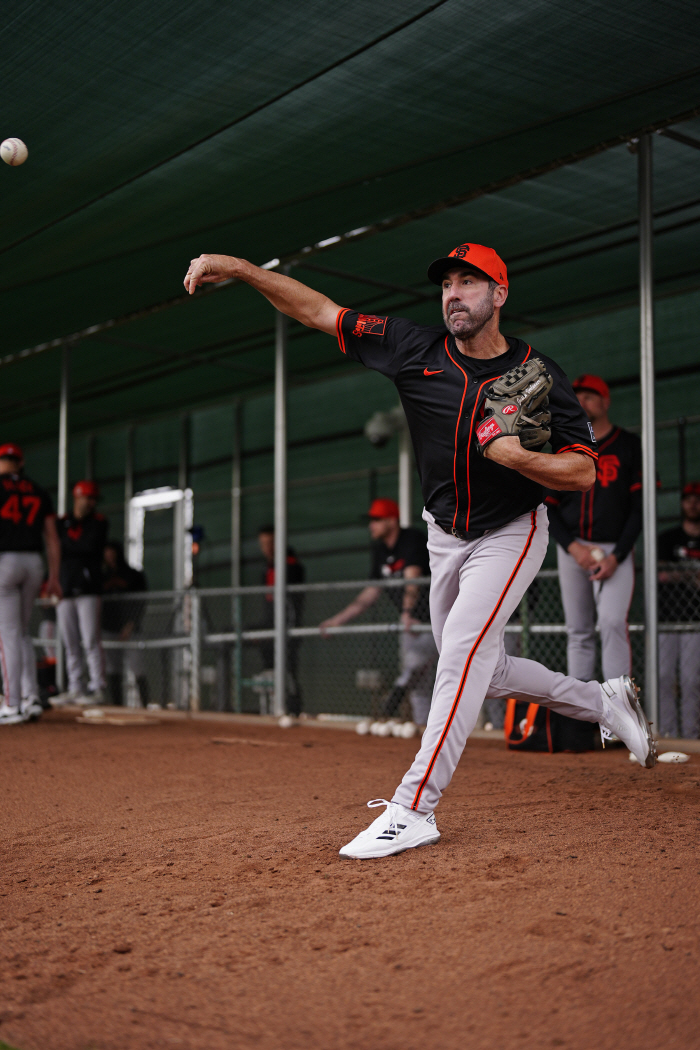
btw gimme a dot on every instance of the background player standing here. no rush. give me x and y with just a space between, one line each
397 551
83 535
27 523
295 609
607 519
121 622
679 599
483 492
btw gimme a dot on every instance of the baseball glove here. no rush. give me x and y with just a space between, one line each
516 406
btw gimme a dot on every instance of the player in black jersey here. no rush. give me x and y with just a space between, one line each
595 533
487 525
83 535
400 552
679 601
27 525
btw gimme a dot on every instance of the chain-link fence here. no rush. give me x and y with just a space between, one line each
214 649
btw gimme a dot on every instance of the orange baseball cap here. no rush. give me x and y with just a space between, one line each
592 383
10 451
384 508
691 489
475 255
86 488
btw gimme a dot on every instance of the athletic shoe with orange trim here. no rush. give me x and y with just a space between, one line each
397 830
623 716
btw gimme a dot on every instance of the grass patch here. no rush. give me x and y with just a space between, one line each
6 1046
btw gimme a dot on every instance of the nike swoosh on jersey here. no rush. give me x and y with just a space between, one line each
427 373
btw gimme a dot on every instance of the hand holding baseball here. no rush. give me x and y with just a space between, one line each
605 568
209 269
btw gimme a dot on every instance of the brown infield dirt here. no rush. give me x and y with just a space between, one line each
164 890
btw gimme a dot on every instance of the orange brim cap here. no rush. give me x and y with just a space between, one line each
476 256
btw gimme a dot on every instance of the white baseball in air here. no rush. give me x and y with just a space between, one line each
13 152
597 554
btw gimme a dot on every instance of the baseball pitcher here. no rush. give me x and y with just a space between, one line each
27 523
480 407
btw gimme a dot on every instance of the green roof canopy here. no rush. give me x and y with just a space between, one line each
357 140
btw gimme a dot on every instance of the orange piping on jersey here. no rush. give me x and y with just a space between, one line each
467 666
577 448
339 328
459 417
610 438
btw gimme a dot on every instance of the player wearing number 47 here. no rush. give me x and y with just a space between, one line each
595 533
479 406
27 524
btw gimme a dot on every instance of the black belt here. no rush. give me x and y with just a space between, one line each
460 534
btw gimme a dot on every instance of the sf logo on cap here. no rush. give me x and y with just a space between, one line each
460 252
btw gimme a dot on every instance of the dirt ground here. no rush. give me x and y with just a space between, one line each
163 890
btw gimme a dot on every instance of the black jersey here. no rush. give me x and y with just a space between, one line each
82 546
387 562
679 594
442 393
295 601
611 511
24 507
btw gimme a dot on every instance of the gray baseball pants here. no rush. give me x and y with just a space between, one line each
609 601
79 624
418 658
679 661
475 587
21 574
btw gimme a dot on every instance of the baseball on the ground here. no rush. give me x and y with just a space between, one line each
285 722
362 728
13 152
597 554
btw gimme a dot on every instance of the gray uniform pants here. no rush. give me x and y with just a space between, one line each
609 601
679 661
79 624
475 588
418 657
21 573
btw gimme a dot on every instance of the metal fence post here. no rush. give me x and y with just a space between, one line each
280 694
646 324
195 649
62 501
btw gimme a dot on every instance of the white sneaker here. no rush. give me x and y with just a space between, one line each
623 716
10 716
71 696
397 829
91 698
31 708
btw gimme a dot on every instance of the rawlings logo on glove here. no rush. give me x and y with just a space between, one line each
516 406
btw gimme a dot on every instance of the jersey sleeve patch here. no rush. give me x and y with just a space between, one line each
368 324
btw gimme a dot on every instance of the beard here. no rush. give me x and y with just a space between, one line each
464 322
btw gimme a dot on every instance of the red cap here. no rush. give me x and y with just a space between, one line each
475 255
691 489
11 452
86 488
384 508
594 384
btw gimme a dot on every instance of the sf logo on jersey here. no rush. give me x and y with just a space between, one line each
608 470
392 565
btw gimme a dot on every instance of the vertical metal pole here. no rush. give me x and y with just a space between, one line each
280 694
195 649
90 457
646 324
237 653
179 515
682 455
62 500
128 481
405 477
